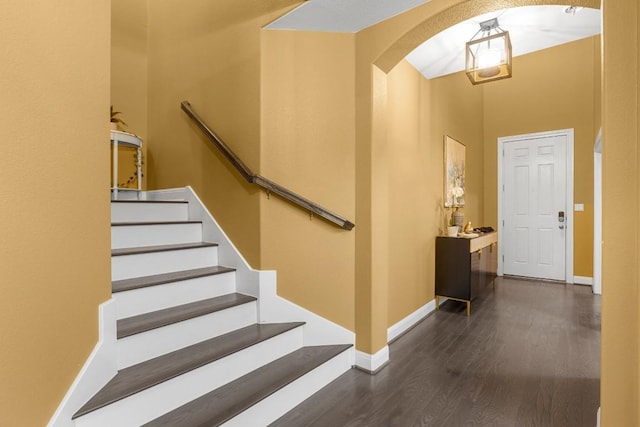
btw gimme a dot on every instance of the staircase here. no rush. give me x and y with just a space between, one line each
199 343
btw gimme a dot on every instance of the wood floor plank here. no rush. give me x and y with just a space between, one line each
527 356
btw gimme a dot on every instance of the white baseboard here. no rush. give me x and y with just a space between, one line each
99 368
372 362
411 320
582 280
318 330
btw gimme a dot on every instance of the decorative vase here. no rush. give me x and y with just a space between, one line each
458 218
452 231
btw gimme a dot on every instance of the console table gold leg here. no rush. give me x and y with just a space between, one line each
437 302
468 308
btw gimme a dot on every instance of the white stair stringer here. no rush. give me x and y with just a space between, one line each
318 330
148 404
156 342
99 368
279 403
258 283
144 300
151 234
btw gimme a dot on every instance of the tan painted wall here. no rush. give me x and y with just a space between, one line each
377 45
129 25
451 105
372 175
415 175
420 113
385 45
308 146
620 394
371 148
208 53
54 199
457 110
550 90
70 43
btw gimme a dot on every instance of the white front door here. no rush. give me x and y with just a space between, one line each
534 206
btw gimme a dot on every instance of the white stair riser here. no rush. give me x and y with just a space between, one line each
147 345
138 212
149 404
276 405
152 298
147 264
126 194
131 236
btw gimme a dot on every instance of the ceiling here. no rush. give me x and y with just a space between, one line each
342 16
531 28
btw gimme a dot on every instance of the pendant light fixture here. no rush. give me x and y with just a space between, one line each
488 58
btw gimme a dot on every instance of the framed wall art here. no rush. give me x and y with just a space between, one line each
454 152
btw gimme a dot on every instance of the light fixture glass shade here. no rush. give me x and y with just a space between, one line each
489 58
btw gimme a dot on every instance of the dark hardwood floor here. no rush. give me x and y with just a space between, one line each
529 355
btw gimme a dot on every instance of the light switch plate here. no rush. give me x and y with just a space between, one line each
579 207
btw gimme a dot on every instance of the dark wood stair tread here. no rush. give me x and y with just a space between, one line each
134 223
161 279
142 376
149 201
224 403
160 248
157 319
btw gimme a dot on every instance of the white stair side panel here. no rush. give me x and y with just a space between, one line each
318 330
97 371
147 264
248 278
151 403
276 405
156 342
261 284
139 212
152 298
131 236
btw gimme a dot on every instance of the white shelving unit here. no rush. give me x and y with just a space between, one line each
125 139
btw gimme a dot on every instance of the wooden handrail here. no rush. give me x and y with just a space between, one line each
219 144
263 182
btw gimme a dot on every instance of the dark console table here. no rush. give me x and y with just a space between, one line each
465 266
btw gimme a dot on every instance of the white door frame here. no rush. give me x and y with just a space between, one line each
568 210
597 215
